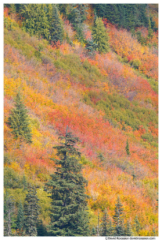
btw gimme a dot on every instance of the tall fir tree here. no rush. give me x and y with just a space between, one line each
118 218
77 14
35 19
31 211
19 121
106 225
128 16
137 225
42 23
128 229
69 215
8 214
100 36
93 231
56 28
20 219
41 229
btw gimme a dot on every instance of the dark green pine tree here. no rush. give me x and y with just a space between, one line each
69 215
56 28
106 225
20 219
127 148
118 219
19 121
100 36
90 46
128 16
31 211
41 229
8 214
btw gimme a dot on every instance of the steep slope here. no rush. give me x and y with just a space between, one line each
105 100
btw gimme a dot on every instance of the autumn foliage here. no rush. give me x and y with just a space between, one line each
58 95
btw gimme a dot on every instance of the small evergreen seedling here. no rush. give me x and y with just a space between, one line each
127 148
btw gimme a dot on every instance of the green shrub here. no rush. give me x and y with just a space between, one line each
85 161
59 65
7 159
147 136
135 63
46 59
11 179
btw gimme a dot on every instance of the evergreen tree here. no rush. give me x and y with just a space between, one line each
150 31
8 214
35 19
19 122
100 36
127 148
128 230
154 232
77 14
20 218
93 233
90 46
118 219
67 188
101 157
110 229
12 8
56 28
41 229
106 225
31 211
42 23
98 225
24 182
123 15
137 225
133 175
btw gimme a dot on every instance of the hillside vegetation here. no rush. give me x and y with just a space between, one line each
107 98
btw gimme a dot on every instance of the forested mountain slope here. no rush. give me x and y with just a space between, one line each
107 95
